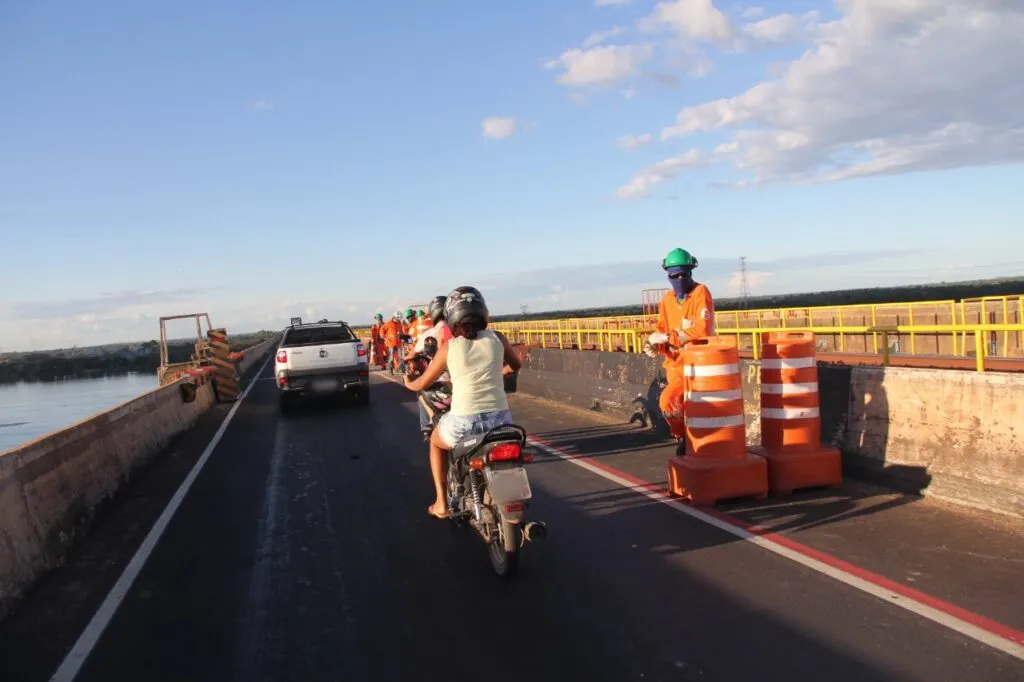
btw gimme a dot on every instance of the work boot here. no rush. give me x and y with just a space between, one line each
681 447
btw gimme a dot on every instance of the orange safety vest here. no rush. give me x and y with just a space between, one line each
694 318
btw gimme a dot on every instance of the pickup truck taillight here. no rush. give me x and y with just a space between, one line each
282 356
361 350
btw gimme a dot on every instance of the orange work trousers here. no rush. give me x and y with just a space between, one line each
671 400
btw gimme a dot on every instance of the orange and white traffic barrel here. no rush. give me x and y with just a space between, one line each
713 399
791 416
717 465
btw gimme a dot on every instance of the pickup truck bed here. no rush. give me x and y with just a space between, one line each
325 358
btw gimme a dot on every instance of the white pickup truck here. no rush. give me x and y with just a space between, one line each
322 358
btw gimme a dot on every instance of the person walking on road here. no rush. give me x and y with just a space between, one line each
377 340
685 313
392 333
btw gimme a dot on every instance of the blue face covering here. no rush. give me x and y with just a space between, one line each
679 284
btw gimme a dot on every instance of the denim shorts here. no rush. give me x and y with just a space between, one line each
453 428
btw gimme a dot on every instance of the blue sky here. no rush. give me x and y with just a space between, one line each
259 160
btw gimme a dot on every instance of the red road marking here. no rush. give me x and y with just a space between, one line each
977 620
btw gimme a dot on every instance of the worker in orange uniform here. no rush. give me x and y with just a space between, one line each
377 340
686 313
417 328
393 331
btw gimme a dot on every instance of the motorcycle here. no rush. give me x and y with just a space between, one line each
488 487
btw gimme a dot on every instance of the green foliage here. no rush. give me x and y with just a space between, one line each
106 360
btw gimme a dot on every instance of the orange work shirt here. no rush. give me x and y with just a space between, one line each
390 332
694 318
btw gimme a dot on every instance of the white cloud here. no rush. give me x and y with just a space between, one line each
780 28
634 141
753 12
641 183
690 19
498 127
598 37
892 86
755 280
601 65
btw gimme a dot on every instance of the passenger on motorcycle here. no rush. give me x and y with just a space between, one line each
441 334
475 358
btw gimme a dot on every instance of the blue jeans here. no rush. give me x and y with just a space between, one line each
453 428
424 421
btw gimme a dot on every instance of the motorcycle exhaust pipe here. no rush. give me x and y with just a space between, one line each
534 531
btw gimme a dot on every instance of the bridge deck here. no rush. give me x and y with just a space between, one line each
304 551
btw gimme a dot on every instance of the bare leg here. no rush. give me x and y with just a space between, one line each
439 470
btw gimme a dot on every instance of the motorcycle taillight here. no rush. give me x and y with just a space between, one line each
504 452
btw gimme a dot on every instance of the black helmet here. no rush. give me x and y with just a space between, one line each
463 303
435 311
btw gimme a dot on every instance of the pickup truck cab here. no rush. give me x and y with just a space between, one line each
321 358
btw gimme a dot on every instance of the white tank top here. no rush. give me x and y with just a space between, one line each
475 368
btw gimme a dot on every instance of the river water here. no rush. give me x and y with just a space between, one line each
30 410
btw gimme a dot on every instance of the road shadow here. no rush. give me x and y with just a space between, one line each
642 589
641 453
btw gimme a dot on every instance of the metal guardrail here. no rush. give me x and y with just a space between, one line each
949 328
632 340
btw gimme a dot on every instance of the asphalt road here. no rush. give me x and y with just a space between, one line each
304 552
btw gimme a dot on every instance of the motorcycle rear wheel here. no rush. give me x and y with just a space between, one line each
503 549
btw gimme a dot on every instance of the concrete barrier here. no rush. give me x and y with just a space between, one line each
954 435
51 486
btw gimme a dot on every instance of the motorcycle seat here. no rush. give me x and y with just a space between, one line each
501 434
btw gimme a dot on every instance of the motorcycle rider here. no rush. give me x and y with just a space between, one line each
686 313
475 358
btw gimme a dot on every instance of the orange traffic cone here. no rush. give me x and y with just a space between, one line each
790 416
717 465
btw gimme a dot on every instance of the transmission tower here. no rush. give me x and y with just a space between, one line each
744 284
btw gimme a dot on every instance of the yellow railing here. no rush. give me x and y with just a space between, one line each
632 340
910 316
992 323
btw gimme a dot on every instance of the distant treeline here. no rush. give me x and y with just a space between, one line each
81 363
941 291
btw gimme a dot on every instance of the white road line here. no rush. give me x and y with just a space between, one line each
87 640
935 615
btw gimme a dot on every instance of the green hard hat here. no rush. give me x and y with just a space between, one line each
678 258
378 316
408 312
